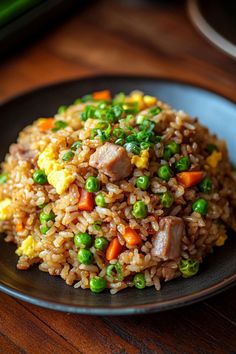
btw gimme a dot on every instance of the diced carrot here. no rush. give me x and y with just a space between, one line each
19 227
102 95
131 236
114 249
190 178
86 200
46 124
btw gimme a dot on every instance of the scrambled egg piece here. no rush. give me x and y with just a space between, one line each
214 159
59 177
149 100
27 248
221 239
5 209
142 160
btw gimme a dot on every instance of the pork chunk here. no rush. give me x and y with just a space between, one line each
167 241
112 160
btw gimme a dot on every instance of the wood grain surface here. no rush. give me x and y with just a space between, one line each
115 37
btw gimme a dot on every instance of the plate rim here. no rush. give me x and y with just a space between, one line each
181 301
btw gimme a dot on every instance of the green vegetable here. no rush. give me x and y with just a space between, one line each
85 256
76 145
167 199
89 112
188 267
101 243
145 145
59 124
41 206
140 210
205 185
87 98
143 182
40 177
139 281
92 184
43 217
97 225
210 148
97 284
62 109
100 200
141 118
68 156
200 206
115 271
170 149
154 111
3 178
119 98
131 138
158 138
165 172
183 164
83 240
44 229
147 125
120 141
132 147
118 133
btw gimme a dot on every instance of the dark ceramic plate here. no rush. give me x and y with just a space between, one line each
218 271
216 20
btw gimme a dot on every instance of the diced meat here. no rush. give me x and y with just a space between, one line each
112 160
19 152
167 242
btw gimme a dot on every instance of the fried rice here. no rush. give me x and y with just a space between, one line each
185 210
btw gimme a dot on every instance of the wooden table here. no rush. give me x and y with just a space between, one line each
112 37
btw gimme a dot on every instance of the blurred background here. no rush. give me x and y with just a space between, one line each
43 41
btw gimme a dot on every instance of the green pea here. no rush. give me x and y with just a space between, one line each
85 256
43 217
200 206
165 172
143 182
167 199
140 210
40 177
76 145
97 284
205 185
41 206
170 149
114 271
3 178
101 243
139 281
100 200
59 124
83 240
44 229
183 164
68 156
92 184
188 267
62 109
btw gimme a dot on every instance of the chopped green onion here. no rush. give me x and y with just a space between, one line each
87 98
62 109
3 178
76 145
58 125
120 141
114 271
170 149
154 111
132 147
139 281
119 133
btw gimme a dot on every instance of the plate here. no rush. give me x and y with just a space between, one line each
216 21
219 269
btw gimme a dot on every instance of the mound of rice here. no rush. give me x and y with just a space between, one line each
117 140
